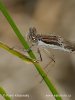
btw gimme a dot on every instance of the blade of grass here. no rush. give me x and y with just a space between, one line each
26 46
4 94
16 53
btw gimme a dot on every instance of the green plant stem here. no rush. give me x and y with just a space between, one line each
4 94
26 46
16 53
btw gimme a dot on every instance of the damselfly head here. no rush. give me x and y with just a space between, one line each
32 30
32 35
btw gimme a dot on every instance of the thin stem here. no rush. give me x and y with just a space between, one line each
26 46
4 94
16 53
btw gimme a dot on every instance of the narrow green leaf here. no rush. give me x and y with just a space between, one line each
4 94
16 53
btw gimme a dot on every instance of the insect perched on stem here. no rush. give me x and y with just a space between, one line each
49 41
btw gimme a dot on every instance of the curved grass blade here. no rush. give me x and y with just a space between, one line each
16 53
4 94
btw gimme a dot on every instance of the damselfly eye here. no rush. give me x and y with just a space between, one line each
34 39
32 30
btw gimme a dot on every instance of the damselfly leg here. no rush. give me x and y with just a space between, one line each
38 51
48 55
28 50
52 59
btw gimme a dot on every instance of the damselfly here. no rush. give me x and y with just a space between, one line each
52 41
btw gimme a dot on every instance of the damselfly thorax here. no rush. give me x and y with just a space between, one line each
50 41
